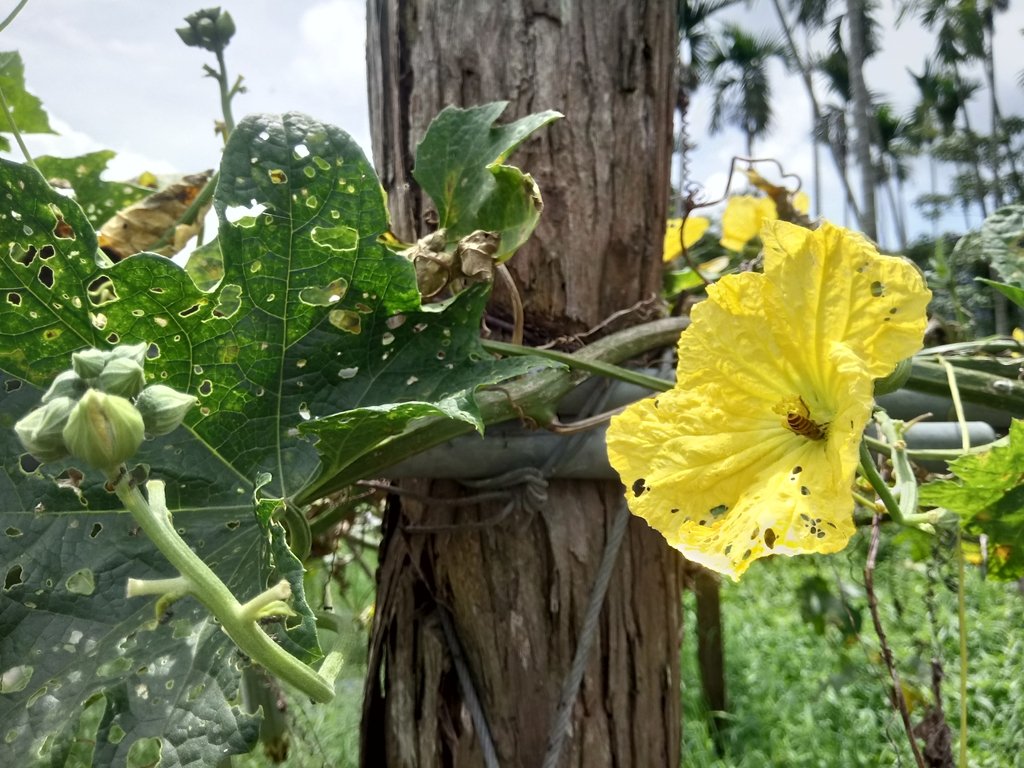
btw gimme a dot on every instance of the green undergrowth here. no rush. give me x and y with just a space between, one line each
328 735
801 699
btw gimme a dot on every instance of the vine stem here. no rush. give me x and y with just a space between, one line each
203 584
12 15
897 689
17 133
961 607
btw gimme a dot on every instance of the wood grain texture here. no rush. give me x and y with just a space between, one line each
517 592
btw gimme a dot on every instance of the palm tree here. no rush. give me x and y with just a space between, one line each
737 69
861 104
965 32
694 48
893 146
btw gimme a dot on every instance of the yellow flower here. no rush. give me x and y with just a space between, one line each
754 451
742 219
693 231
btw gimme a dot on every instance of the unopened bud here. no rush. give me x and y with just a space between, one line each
103 430
89 362
122 376
67 384
133 352
41 432
225 27
163 408
896 379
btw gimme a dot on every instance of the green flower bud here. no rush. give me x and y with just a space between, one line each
103 430
225 27
123 377
41 432
67 384
89 362
134 352
163 409
896 379
188 36
207 29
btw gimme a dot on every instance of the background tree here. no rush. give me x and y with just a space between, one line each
737 69
513 595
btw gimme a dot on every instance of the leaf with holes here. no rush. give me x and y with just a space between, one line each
312 317
68 634
988 495
460 164
26 109
98 198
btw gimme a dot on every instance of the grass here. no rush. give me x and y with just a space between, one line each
798 698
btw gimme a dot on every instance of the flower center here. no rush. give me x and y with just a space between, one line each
798 418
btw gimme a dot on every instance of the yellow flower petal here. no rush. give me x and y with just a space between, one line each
693 230
754 451
834 286
802 202
742 219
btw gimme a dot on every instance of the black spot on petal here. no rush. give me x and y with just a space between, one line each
769 538
805 490
638 486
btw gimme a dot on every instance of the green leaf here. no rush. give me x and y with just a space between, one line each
1012 292
312 317
205 265
988 494
1000 241
676 282
459 164
297 636
26 109
98 198
66 551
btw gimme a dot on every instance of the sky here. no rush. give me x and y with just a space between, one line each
113 75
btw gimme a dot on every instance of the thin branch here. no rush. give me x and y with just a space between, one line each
897 689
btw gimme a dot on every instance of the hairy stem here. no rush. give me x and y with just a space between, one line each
153 517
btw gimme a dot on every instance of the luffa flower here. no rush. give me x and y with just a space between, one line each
754 451
691 230
745 214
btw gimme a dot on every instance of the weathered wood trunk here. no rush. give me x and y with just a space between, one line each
516 592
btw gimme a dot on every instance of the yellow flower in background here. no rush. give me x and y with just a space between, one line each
692 231
745 215
754 451
742 219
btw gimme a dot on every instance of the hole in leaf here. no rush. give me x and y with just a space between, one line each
16 678
304 413
152 352
13 532
12 385
411 380
228 302
340 239
301 151
51 333
345 320
28 463
347 373
277 176
244 215
113 338
96 528
387 339
331 293
62 229
156 289
81 582
14 299
70 478
24 256
205 387
395 321
190 311
13 578
46 276
232 525
47 252
101 291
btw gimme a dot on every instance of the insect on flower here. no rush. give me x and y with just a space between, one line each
799 421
